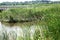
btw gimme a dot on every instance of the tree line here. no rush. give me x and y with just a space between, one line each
28 2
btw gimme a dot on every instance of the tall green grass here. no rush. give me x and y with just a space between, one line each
29 14
48 15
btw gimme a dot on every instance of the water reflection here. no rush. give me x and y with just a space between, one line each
14 31
22 31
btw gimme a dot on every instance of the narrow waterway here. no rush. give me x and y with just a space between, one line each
21 31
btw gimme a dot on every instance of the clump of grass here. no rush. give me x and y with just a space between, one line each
21 14
37 35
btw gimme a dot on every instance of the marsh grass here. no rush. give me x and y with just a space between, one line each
48 15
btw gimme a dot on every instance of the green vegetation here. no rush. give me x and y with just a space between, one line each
21 14
48 15
30 2
29 14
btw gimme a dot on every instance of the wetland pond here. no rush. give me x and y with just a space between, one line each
22 31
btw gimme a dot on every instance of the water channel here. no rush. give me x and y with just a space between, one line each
21 31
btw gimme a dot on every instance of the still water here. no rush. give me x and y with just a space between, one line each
21 31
